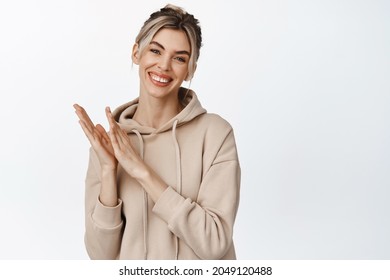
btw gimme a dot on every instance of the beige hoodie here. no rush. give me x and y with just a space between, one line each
195 154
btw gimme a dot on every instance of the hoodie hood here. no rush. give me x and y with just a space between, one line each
192 108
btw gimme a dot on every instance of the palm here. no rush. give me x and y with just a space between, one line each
102 145
98 137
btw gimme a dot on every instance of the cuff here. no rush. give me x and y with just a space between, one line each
168 204
107 217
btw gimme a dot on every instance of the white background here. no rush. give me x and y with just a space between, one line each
305 84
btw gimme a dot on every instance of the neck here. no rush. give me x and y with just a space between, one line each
154 112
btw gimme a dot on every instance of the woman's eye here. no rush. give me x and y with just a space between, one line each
181 59
155 51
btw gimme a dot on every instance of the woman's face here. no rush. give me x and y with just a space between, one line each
163 64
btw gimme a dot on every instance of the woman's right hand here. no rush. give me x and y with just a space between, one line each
99 139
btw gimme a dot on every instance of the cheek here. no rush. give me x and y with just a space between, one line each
182 71
146 61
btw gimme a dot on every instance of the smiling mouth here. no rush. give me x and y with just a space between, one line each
159 79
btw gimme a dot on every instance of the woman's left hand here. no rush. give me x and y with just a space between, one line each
131 162
123 149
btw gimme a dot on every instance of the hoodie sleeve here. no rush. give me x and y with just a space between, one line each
103 225
206 225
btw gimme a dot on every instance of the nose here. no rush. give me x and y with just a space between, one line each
164 63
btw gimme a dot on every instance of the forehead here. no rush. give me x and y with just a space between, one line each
172 39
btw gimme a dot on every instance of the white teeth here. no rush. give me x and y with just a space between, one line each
159 79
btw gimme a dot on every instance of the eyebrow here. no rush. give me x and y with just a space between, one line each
162 47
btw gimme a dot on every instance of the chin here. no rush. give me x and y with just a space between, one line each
163 91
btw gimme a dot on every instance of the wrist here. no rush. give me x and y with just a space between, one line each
152 183
108 192
106 170
142 174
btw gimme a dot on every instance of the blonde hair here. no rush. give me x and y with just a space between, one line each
173 17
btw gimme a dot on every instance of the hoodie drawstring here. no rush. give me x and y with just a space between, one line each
178 182
177 152
178 173
145 209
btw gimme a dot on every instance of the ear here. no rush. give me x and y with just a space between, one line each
135 54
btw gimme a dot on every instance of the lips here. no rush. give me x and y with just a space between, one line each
160 79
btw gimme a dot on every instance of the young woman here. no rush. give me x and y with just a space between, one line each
164 182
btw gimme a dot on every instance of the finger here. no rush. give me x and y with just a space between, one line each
113 124
114 128
87 128
102 132
101 129
76 106
87 123
110 118
123 138
118 136
113 138
82 114
120 148
87 131
123 133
